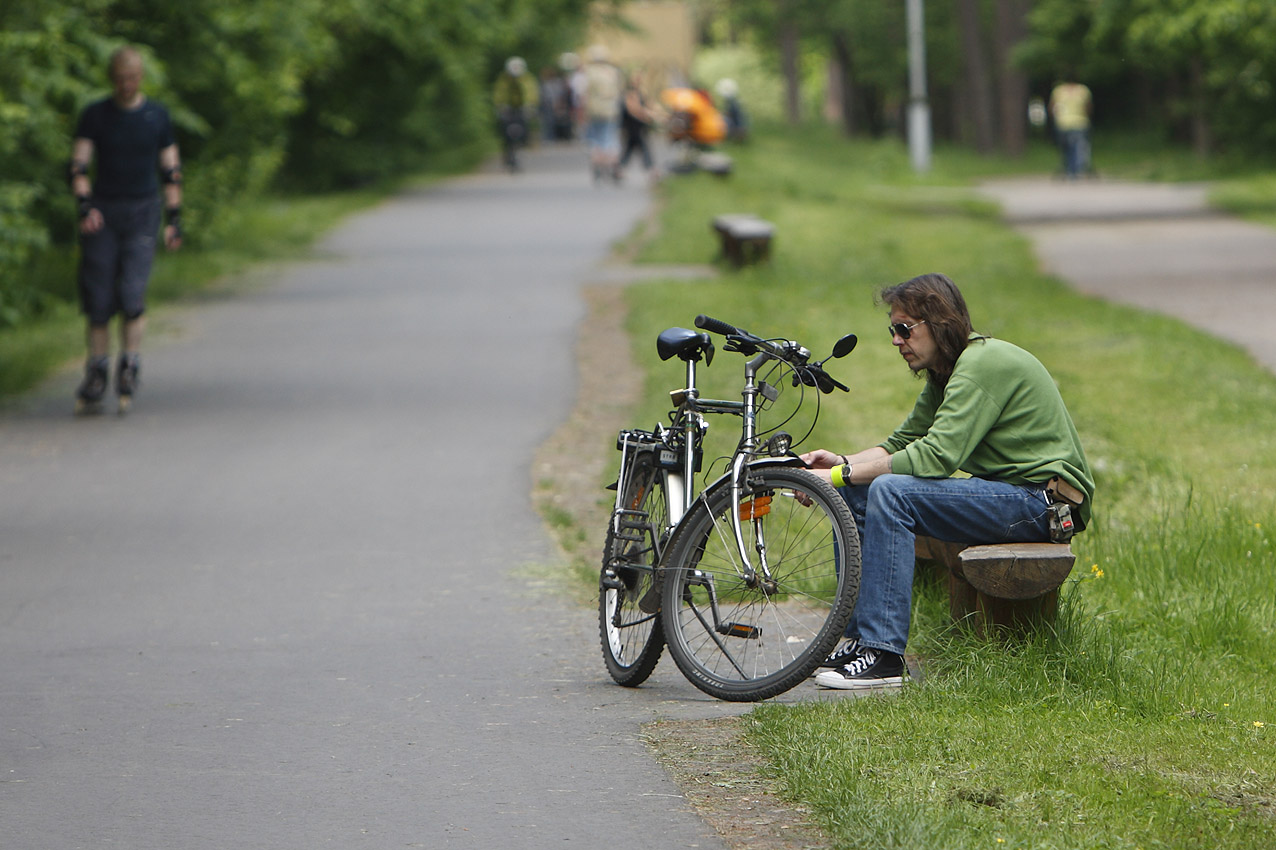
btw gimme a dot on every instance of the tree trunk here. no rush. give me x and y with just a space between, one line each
833 92
1012 83
977 85
1202 136
842 61
789 67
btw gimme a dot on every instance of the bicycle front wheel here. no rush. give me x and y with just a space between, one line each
746 632
628 599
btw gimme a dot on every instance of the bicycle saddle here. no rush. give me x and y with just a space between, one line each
684 344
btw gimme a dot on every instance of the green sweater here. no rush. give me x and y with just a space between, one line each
1000 417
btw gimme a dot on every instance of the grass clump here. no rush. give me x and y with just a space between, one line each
1144 719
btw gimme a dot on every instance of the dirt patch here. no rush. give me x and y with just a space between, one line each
722 776
720 773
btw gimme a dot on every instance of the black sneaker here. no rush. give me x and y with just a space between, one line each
91 390
841 654
126 374
870 668
126 379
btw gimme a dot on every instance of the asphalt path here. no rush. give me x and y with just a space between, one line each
1156 246
290 601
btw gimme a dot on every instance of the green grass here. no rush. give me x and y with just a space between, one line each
1253 197
1147 719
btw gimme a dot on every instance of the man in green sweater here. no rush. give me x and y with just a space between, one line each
989 409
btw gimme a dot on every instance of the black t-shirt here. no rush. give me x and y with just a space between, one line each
127 144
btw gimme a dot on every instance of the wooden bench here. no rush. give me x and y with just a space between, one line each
718 164
745 238
1012 587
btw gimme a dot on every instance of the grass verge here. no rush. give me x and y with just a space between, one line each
1146 719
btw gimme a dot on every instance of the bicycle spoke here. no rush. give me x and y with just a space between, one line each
766 633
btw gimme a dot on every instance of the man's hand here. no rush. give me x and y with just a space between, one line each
821 459
91 222
173 227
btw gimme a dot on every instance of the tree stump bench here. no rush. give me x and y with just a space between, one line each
745 238
1010 587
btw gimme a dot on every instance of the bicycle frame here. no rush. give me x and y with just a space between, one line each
680 484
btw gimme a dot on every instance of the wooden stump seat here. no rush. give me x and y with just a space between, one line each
1001 586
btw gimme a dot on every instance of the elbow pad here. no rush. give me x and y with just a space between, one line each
172 176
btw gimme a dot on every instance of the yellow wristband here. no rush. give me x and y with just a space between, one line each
835 474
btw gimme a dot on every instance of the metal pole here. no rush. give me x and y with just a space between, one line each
918 104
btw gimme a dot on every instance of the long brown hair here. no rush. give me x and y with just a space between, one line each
936 300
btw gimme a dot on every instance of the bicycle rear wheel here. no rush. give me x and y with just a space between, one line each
628 598
744 639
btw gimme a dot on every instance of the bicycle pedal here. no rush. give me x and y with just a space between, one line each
739 630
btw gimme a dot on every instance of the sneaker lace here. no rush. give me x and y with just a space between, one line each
862 662
846 650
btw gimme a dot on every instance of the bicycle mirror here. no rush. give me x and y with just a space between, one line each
845 345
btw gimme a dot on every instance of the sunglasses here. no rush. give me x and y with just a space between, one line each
903 331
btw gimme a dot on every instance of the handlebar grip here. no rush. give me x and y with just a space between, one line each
716 326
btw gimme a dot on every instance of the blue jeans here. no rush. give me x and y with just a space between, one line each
894 509
1076 151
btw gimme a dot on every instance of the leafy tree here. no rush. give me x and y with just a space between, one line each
1204 66
412 79
49 63
336 91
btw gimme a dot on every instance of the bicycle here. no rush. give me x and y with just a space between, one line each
751 581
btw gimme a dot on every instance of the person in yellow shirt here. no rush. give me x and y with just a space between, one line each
515 97
1070 107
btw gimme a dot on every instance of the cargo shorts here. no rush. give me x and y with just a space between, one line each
115 262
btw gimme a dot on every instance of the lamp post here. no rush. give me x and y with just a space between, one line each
918 105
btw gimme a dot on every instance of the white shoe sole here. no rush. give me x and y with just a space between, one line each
837 681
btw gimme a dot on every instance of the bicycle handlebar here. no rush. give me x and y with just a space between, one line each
717 326
810 374
745 342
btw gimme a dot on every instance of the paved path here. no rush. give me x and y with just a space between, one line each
1155 246
287 603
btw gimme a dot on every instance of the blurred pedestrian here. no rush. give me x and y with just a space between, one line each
514 96
555 106
574 74
636 118
128 139
737 121
1070 107
604 88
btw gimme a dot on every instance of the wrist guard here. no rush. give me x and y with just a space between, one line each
83 204
174 217
75 169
